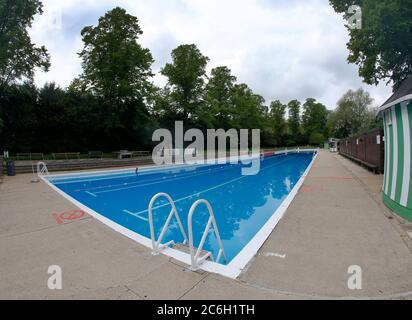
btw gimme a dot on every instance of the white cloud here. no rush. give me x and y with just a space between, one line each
283 50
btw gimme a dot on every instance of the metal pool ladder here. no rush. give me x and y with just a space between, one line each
195 256
157 245
42 169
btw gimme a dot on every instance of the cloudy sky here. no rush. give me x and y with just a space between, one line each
283 49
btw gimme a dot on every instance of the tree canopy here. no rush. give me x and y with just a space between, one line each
18 55
219 107
115 66
117 72
277 121
114 105
294 123
314 117
354 114
186 78
382 47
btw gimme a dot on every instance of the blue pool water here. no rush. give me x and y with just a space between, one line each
242 204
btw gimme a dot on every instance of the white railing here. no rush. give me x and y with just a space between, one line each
42 169
195 257
157 245
195 254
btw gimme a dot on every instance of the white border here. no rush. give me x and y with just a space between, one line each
390 104
395 153
238 263
406 154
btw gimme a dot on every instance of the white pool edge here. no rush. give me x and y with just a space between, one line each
239 262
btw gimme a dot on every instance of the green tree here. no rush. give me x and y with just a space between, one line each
277 121
382 47
18 55
51 118
116 69
83 113
353 114
314 118
186 79
249 108
294 122
219 107
18 105
316 139
163 108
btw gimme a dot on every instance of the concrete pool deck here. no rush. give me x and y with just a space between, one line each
336 220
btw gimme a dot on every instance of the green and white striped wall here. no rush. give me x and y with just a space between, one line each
397 190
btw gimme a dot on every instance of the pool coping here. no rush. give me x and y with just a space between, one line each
239 262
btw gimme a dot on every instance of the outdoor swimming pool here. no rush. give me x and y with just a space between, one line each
246 207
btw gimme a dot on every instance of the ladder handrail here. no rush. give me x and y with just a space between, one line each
42 169
157 246
195 258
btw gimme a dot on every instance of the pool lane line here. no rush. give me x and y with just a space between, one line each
178 178
91 193
135 214
157 180
198 193
56 179
72 180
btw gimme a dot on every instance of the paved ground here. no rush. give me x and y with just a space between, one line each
336 220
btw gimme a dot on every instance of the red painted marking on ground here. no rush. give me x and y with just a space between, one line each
311 189
57 218
68 216
335 178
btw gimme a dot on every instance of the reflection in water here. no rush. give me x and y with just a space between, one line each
288 184
245 206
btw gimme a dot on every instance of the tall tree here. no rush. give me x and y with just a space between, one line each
353 114
250 110
382 47
219 107
277 121
186 78
18 105
294 118
18 55
314 117
116 68
163 108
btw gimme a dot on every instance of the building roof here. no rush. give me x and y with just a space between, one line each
403 93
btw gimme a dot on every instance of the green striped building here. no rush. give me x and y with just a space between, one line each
396 113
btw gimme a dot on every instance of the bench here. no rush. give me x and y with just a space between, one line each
123 154
370 166
66 155
95 154
30 156
136 154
